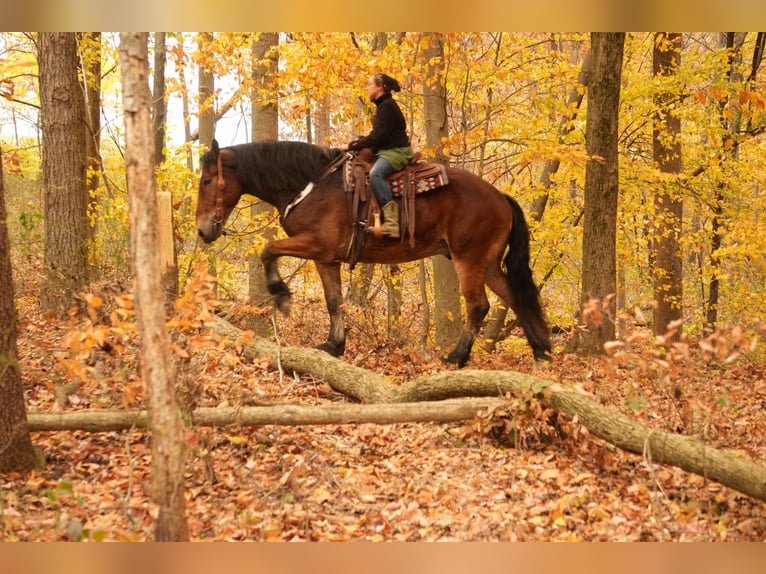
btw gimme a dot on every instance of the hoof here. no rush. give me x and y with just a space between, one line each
332 348
284 304
543 356
455 358
282 296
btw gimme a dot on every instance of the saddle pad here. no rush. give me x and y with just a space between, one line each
423 177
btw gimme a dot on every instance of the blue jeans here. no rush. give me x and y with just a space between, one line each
378 174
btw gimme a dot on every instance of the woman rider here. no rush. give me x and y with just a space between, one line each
390 144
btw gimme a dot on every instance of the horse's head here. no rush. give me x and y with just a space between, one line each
218 191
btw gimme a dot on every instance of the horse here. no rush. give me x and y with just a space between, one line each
481 229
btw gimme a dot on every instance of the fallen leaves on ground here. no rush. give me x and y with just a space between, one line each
409 482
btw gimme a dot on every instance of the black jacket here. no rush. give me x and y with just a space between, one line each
389 128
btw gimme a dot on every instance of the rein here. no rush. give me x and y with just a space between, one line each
220 185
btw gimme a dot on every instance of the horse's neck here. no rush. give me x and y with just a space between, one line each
290 162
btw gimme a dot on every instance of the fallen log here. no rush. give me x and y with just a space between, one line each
112 420
427 399
730 468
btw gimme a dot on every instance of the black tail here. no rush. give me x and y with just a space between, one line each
526 297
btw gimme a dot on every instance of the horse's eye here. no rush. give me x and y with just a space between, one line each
206 182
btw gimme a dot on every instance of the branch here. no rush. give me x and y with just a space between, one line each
232 101
106 420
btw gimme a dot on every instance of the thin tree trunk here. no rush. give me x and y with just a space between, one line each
187 116
285 414
206 95
447 310
90 52
167 213
729 127
360 282
265 128
168 449
206 130
159 104
668 202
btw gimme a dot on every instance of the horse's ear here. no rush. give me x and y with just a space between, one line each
214 147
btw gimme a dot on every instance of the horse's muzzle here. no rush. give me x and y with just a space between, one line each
209 231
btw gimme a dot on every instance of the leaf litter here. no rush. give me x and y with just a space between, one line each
505 477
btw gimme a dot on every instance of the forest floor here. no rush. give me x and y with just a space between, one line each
491 479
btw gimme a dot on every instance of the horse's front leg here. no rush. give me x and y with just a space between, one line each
330 276
274 283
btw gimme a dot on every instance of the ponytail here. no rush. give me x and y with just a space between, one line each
389 84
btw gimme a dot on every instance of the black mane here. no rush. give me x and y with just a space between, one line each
279 166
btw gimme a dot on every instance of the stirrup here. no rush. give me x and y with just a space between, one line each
376 225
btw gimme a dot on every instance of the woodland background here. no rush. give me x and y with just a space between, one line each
685 317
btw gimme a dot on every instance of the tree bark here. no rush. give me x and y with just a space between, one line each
159 105
668 201
447 310
16 451
729 120
159 120
287 415
206 94
385 403
156 360
90 52
264 102
599 276
207 120
62 115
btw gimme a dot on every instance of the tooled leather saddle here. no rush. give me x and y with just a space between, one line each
417 177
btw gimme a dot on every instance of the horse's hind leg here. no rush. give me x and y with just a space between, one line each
471 278
329 273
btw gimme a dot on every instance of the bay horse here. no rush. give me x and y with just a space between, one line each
482 230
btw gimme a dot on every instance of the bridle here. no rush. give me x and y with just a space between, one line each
220 185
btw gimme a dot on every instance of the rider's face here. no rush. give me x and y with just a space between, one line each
374 91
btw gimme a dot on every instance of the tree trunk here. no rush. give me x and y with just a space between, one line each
159 104
157 368
206 94
601 191
206 130
729 122
361 279
360 284
668 199
167 243
186 111
16 451
62 115
385 403
90 51
263 98
447 314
